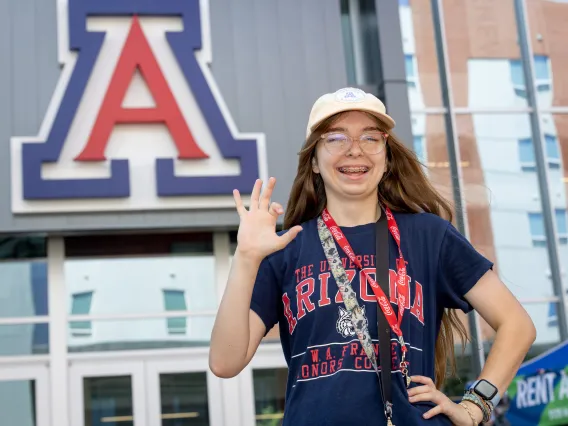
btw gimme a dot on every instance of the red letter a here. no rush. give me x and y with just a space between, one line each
138 54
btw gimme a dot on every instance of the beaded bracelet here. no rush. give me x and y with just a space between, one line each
485 409
473 421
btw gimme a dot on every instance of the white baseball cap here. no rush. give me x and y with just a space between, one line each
347 99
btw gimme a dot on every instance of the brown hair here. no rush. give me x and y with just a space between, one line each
403 188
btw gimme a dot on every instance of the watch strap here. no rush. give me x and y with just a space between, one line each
493 401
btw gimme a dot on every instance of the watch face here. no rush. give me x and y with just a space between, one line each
485 389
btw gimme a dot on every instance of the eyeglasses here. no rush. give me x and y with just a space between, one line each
369 142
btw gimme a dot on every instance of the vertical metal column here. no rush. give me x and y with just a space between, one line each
392 78
478 354
57 296
356 36
541 165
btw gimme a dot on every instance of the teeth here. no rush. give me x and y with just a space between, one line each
353 169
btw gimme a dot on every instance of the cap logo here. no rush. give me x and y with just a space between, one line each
349 95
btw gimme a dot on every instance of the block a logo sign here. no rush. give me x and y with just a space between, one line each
136 121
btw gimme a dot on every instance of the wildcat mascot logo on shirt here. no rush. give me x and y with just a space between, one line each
344 323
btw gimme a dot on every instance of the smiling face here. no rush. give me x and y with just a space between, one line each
351 170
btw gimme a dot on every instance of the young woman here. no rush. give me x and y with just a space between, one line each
352 170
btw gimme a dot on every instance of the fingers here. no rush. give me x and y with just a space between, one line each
275 209
254 198
424 380
289 236
439 409
428 395
239 202
419 390
267 194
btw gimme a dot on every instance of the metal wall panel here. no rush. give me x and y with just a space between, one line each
270 60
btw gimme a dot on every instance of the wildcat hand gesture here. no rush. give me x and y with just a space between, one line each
257 236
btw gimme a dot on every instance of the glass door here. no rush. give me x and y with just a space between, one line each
183 392
24 395
266 386
108 393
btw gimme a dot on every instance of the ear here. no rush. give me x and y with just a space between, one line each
315 167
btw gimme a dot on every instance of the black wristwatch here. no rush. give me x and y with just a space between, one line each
487 391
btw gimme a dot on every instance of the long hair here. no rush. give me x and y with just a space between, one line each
405 188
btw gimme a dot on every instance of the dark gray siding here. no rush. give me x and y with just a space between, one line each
271 59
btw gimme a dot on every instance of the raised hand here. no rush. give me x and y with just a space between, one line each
257 236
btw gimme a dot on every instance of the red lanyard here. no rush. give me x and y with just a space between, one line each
402 282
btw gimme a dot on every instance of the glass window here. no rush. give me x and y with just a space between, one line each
541 70
548 33
166 272
81 305
24 339
418 145
183 398
551 147
517 74
269 395
536 222
421 61
505 223
108 401
542 76
409 65
483 53
157 269
141 333
23 248
18 403
526 155
552 315
174 300
561 221
430 145
23 269
23 292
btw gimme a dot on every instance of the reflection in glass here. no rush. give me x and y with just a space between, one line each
108 401
18 403
556 125
269 395
483 54
184 399
23 292
134 285
431 147
133 334
504 205
548 32
23 248
420 57
24 339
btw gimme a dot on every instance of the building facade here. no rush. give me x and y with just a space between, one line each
125 126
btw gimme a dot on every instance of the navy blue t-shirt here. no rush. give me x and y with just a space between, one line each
330 378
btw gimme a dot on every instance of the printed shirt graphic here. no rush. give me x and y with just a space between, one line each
331 380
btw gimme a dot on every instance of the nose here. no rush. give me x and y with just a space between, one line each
355 149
